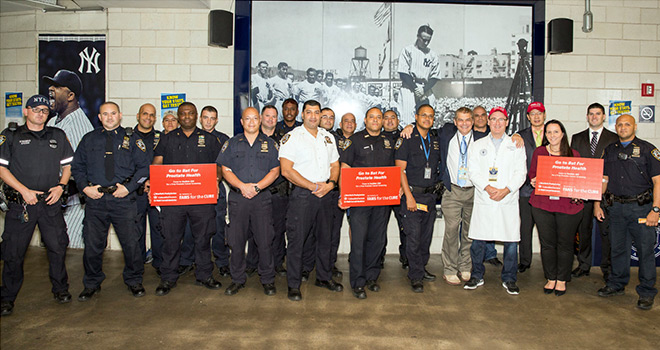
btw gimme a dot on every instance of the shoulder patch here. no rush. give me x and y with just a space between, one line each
655 153
3 138
347 143
398 143
327 140
285 138
224 147
141 145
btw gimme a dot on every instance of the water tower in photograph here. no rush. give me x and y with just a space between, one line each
360 64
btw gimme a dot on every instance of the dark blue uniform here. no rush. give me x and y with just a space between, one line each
280 191
396 209
150 140
250 163
368 224
175 147
34 158
284 128
418 225
131 168
218 245
630 170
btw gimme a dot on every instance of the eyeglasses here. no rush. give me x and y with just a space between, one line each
536 114
499 120
40 110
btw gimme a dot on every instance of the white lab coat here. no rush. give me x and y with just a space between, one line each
491 220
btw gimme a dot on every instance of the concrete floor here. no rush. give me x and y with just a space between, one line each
443 316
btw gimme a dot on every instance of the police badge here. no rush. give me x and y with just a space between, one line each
264 147
126 143
398 143
201 141
327 140
141 145
285 138
224 147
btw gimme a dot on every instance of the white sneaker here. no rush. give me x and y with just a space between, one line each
465 276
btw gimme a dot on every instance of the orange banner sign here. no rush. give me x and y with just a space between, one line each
570 177
184 184
362 187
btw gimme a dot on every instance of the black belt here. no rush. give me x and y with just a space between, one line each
281 188
625 199
111 189
421 190
462 187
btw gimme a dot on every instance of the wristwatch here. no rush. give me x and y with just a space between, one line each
656 210
62 185
257 189
333 182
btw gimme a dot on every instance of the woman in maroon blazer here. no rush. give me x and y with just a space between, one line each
557 218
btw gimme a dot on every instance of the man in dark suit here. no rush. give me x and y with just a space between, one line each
591 143
532 137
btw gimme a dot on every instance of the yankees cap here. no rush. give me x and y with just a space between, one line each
37 100
67 79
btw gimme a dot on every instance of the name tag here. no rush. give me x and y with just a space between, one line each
427 173
463 173
492 174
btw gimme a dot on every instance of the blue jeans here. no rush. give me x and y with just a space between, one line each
491 252
624 229
510 268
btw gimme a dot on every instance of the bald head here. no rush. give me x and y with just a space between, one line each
250 111
251 121
626 127
348 124
146 117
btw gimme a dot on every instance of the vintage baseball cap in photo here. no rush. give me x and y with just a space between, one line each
37 100
498 109
67 79
536 105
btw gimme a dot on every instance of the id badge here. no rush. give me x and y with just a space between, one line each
427 173
492 174
463 173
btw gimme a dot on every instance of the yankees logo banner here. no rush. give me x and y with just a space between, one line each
62 57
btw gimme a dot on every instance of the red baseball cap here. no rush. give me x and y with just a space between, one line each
536 105
498 109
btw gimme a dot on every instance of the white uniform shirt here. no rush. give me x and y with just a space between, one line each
311 156
75 126
454 156
496 220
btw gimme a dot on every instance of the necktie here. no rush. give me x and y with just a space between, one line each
109 156
594 142
462 163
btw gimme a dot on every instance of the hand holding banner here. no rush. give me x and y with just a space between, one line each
570 177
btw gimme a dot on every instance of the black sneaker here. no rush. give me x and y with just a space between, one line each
224 271
645 303
305 276
250 271
137 290
6 308
62 297
417 286
336 273
473 283
608 291
511 287
184 269
280 270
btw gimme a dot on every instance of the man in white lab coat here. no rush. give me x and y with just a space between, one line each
497 169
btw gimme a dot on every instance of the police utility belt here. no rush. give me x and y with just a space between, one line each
645 197
110 189
437 189
14 196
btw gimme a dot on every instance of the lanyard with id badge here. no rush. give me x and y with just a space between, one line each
427 153
462 166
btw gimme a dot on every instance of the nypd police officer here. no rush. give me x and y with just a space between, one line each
309 159
31 158
631 184
187 145
418 158
368 148
110 163
249 164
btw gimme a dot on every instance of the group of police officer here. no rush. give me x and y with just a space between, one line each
282 178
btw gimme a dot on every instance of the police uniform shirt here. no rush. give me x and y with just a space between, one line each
311 156
630 169
130 160
249 163
277 136
412 151
35 157
392 135
364 150
177 148
222 137
285 128
150 139
454 156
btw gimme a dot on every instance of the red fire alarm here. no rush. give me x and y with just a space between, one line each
648 90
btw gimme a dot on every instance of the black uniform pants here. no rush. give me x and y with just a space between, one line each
16 239
398 215
526 229
368 236
145 210
280 205
337 221
556 233
308 213
585 230
173 220
122 214
419 232
251 216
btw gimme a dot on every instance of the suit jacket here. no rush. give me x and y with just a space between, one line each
445 134
580 142
530 145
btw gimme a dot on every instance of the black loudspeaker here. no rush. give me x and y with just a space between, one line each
221 28
560 35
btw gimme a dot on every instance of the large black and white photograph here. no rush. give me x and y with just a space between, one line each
351 56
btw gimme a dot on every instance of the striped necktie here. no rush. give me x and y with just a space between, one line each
594 142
